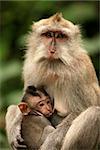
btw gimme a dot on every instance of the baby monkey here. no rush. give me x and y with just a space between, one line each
34 121
36 100
36 107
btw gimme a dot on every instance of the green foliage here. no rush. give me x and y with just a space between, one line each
16 18
82 13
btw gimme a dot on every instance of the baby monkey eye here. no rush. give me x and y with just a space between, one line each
48 102
41 105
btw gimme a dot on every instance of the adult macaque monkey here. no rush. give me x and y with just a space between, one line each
56 59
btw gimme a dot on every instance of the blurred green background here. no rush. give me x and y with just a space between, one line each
15 20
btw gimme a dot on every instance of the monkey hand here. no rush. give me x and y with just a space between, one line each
18 143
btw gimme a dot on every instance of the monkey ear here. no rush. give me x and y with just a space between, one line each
24 108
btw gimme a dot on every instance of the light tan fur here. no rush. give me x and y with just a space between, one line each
13 124
84 133
69 78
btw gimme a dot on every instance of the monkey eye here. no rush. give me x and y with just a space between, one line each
60 35
48 102
41 105
48 34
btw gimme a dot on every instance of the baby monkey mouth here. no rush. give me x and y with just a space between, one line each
48 114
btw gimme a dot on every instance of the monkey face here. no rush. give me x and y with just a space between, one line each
53 38
45 107
42 104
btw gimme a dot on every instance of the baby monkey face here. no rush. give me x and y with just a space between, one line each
42 104
45 107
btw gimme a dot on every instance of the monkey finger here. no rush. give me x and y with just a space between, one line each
21 146
18 144
19 138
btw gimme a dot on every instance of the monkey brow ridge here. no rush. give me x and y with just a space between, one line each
42 100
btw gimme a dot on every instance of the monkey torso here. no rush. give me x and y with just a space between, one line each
73 87
32 128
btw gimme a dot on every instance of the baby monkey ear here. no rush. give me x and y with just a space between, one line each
24 108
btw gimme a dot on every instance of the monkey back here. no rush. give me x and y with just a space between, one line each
32 127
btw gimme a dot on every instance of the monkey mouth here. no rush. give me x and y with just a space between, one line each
49 114
50 60
52 56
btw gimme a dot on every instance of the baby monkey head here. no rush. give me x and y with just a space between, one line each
36 99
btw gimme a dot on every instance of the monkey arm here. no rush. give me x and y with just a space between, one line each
89 80
13 126
54 140
47 130
84 133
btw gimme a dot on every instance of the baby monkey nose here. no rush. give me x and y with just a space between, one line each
48 108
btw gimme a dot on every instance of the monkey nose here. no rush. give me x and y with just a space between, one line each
52 50
49 111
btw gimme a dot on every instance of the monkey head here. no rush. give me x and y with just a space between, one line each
36 99
57 39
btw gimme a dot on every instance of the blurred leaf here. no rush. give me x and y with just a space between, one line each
79 12
92 45
21 40
3 49
14 97
39 6
9 70
3 141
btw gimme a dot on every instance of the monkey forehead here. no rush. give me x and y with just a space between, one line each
37 99
54 21
42 29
